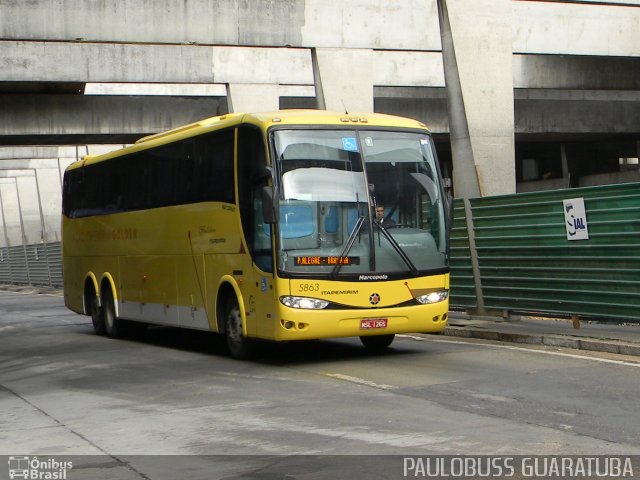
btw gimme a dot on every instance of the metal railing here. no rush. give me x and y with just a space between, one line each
39 265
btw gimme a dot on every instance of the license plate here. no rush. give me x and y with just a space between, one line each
369 323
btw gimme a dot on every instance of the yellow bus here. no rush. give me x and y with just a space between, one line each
263 226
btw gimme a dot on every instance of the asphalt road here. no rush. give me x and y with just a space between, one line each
65 391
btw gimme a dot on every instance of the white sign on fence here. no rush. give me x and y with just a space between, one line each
575 219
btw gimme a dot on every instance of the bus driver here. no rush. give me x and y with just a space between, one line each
381 219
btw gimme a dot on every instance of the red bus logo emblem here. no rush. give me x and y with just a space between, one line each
374 299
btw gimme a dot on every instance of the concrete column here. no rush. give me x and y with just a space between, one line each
477 57
253 97
4 241
12 215
50 198
566 173
343 79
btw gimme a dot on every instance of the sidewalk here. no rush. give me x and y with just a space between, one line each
622 338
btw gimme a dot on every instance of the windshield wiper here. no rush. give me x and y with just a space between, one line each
396 246
350 242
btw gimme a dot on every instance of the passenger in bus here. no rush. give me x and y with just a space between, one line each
386 222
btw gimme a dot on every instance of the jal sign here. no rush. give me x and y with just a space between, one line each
575 219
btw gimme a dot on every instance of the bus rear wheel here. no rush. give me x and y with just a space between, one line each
96 316
377 343
113 326
240 347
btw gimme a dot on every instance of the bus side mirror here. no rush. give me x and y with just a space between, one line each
270 205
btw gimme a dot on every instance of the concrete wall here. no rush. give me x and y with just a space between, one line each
577 112
67 115
609 28
577 28
297 23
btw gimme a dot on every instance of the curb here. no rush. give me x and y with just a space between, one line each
591 344
30 289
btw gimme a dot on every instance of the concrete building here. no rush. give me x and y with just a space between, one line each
520 94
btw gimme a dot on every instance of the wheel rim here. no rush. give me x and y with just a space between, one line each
109 315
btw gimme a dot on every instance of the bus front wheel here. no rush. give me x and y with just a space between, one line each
239 345
377 343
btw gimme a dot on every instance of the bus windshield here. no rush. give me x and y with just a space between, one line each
356 202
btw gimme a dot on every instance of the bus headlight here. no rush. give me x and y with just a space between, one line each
304 302
433 297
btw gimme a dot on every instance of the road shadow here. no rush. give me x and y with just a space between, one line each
268 352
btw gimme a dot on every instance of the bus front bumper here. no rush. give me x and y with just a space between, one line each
300 324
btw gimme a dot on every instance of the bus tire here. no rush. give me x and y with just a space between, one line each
240 347
113 325
97 317
377 343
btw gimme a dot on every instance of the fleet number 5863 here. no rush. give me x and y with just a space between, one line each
309 287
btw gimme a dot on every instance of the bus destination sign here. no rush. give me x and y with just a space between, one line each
307 260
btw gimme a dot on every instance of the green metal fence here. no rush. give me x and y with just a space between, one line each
463 290
525 263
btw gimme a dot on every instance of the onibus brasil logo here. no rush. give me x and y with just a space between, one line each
33 468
